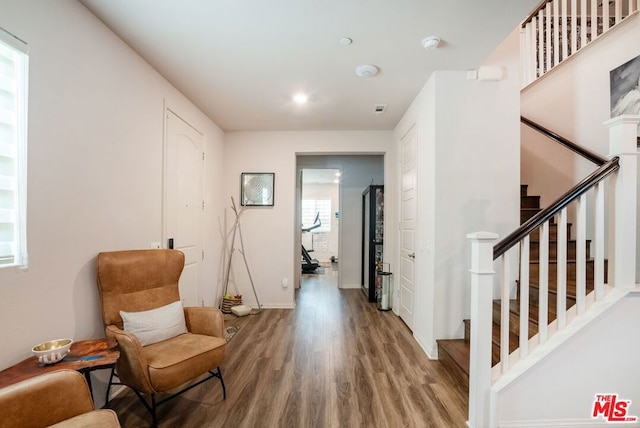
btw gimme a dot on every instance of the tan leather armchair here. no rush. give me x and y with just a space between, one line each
141 280
60 399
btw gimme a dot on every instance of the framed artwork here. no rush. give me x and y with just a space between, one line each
256 189
625 90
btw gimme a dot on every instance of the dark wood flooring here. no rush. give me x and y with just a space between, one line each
333 361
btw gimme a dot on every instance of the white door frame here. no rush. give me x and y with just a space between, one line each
298 210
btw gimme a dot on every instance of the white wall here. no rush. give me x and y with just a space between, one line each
468 180
560 389
422 115
573 100
272 235
95 170
477 180
355 181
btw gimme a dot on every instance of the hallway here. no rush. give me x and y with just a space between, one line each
333 361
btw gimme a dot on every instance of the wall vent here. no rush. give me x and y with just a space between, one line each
379 108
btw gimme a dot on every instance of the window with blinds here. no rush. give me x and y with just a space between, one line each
13 150
311 208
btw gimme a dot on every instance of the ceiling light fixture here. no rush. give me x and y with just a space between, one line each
346 41
431 42
367 70
300 98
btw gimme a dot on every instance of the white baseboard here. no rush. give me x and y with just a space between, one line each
350 286
431 351
278 305
559 423
117 390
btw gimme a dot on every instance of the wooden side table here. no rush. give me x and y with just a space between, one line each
84 356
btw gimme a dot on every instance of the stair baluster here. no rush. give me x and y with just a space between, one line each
557 29
543 283
524 295
561 269
504 313
598 280
571 286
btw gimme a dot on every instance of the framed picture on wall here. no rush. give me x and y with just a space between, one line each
625 88
256 189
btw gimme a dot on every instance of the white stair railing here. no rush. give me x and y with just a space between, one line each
558 29
621 256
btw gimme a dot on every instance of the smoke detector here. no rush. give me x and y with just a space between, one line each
367 70
431 42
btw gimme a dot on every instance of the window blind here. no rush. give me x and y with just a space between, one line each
311 207
13 126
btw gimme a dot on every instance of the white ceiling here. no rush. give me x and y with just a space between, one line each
320 175
240 61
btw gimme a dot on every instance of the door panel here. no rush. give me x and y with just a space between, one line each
408 208
183 204
407 226
407 269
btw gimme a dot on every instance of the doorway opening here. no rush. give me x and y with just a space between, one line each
319 219
357 172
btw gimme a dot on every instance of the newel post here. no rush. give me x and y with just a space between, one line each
481 319
623 133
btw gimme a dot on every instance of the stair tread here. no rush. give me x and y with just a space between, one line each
514 309
534 315
554 261
514 304
529 201
513 338
570 282
572 286
458 350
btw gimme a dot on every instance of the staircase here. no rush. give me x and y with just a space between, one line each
455 353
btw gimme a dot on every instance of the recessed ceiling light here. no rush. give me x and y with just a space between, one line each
346 41
367 70
300 98
431 42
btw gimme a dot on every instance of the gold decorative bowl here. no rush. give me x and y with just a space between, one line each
52 351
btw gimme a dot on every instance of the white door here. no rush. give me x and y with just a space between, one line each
407 226
184 202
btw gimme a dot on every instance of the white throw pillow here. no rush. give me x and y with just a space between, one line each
157 324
